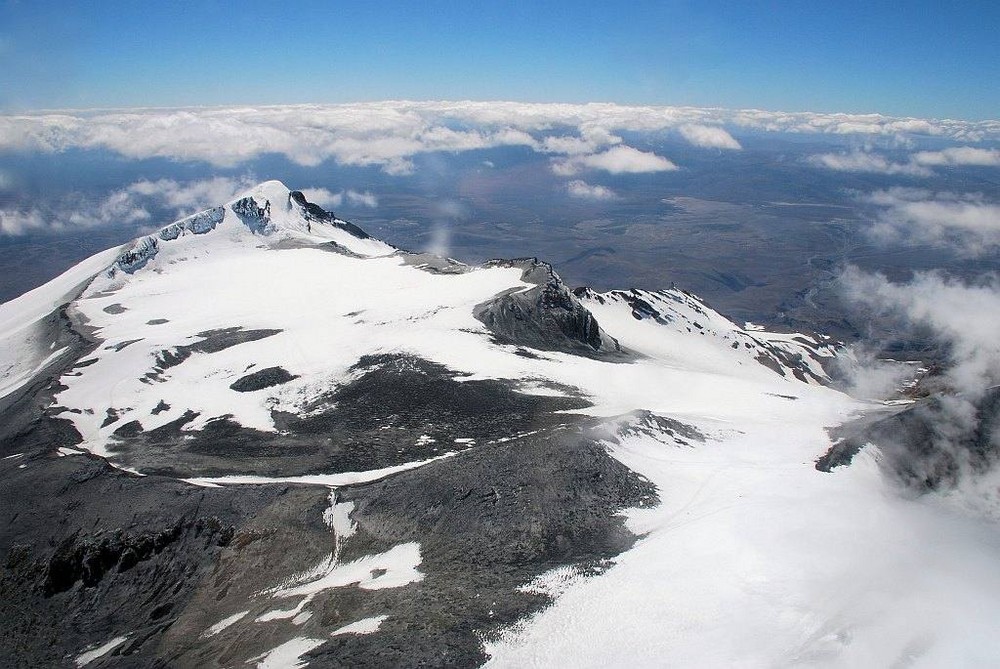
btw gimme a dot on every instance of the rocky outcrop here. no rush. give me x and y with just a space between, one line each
316 213
198 224
253 215
143 250
930 444
547 317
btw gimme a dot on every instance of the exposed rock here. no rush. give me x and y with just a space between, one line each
264 378
314 212
255 217
198 224
923 444
547 317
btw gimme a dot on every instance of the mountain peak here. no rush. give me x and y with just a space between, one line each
272 191
268 210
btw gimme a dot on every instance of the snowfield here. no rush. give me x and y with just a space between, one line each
753 558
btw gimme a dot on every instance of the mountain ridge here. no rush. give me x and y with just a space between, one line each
275 428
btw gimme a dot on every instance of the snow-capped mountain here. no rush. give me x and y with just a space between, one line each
296 444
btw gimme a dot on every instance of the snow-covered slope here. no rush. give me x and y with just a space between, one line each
261 283
495 443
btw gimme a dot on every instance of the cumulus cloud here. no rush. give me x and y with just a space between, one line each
583 190
328 199
14 222
967 222
705 136
963 315
125 206
959 155
616 160
390 134
187 197
918 164
866 161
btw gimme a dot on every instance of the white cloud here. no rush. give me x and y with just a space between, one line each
390 134
126 206
967 222
14 222
583 190
918 164
187 197
959 155
616 160
329 199
705 136
865 161
965 316
323 197
365 199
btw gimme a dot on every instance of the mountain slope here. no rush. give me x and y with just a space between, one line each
269 438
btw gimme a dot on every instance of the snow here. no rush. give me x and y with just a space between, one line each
85 658
338 519
23 352
332 309
755 559
331 480
288 655
224 623
363 626
399 564
302 618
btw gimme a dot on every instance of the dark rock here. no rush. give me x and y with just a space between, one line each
265 378
255 217
547 317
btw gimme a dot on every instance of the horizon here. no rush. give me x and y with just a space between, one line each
925 61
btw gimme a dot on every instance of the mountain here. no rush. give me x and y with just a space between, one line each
260 436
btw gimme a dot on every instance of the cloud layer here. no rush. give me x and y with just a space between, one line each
967 222
918 164
390 134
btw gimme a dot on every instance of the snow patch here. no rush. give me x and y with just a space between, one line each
288 655
363 626
85 658
224 623
330 480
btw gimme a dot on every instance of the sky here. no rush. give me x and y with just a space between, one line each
922 59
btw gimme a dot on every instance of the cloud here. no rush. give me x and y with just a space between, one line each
918 164
959 155
329 199
616 160
125 206
187 197
440 240
365 199
390 134
865 161
708 137
323 197
967 222
14 222
963 315
583 190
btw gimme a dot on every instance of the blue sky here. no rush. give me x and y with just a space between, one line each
929 59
